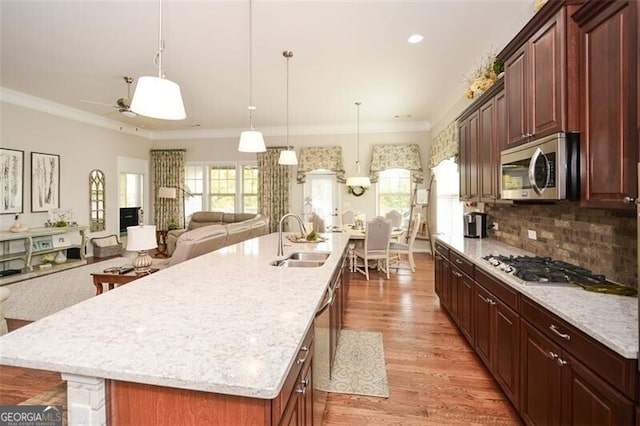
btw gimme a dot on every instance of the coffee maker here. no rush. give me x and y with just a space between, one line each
475 225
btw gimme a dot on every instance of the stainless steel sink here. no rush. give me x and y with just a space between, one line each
293 263
301 255
302 260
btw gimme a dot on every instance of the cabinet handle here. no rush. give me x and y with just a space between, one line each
629 200
492 302
487 301
553 355
457 274
459 262
303 389
561 362
557 332
306 354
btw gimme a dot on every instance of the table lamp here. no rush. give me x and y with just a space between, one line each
141 238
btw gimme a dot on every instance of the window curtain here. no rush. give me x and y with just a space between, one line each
321 157
167 169
386 157
273 186
445 145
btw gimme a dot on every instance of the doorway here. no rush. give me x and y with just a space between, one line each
321 196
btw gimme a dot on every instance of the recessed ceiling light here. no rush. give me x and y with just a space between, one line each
415 38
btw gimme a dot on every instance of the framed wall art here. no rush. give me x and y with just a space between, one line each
45 182
11 178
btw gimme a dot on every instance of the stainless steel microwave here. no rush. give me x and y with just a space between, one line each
544 169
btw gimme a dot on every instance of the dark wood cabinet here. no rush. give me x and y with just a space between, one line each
442 286
540 76
609 139
557 389
541 378
482 129
552 372
468 150
497 337
554 361
489 153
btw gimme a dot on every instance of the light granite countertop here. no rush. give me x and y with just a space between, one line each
610 319
225 322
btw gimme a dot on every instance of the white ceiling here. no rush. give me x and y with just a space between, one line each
344 51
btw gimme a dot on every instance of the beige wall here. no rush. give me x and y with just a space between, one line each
82 148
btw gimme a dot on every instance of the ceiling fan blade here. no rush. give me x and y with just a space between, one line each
98 103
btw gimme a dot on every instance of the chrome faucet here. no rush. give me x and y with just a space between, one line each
280 246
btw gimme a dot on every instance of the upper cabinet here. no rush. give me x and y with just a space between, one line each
539 65
481 137
608 65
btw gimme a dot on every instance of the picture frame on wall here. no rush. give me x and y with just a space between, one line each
45 182
11 181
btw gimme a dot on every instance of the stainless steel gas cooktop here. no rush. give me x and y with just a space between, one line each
539 270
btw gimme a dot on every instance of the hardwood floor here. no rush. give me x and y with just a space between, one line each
434 376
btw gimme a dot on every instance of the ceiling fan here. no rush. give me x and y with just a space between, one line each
122 104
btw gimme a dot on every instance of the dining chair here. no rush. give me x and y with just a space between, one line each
376 246
395 217
398 249
347 217
318 222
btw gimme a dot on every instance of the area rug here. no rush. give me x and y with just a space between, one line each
55 396
359 366
33 299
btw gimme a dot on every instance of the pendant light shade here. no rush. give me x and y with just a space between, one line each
288 157
157 97
251 140
362 181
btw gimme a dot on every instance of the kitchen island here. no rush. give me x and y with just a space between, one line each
226 323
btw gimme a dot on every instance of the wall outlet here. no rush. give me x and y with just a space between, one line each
495 226
532 234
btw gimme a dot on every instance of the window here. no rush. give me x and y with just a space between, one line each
227 187
394 191
194 179
449 209
222 184
250 188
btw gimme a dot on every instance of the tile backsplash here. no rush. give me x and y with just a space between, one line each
603 241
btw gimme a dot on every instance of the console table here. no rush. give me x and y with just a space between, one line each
23 246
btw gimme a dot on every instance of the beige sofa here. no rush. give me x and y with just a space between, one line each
222 229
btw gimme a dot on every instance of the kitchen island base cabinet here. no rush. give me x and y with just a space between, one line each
141 404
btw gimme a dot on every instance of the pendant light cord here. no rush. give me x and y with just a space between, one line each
287 54
158 58
358 137
251 106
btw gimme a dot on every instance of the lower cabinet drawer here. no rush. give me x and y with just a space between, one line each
616 370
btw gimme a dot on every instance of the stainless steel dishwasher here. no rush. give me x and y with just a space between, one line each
321 355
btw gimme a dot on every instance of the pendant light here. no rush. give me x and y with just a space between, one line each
288 156
358 181
251 140
157 97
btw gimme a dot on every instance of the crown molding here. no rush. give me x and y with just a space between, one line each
38 104
24 100
346 129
